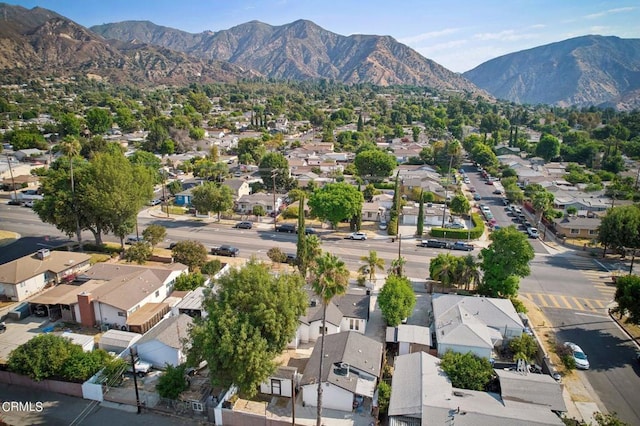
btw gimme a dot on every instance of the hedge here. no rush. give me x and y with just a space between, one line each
462 234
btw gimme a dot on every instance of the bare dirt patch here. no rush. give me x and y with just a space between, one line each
7 237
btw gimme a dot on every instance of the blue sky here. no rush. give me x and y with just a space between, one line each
458 34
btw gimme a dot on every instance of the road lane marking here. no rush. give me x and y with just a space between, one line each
566 302
591 315
553 300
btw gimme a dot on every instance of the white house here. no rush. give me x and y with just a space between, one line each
410 338
422 394
281 383
163 344
473 324
351 369
30 274
349 312
116 291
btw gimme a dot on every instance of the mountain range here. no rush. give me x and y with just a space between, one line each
583 71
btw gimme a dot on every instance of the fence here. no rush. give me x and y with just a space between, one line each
66 388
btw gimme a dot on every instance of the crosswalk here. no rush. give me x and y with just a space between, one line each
594 274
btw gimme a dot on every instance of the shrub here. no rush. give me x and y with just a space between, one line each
173 382
290 212
518 305
276 255
566 356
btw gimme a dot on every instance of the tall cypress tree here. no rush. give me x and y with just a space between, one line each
420 228
302 252
360 127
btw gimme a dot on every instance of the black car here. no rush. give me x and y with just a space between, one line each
433 243
243 225
291 259
286 227
309 231
225 250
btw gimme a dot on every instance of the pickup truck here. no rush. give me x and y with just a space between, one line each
461 245
225 250
142 367
433 243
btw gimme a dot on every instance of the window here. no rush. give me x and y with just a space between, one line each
276 387
196 406
157 293
320 330
593 232
574 231
354 324
122 314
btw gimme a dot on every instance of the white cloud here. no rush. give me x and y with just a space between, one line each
506 35
429 35
609 12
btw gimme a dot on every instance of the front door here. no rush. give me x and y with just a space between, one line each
276 387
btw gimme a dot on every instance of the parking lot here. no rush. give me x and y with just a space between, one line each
19 332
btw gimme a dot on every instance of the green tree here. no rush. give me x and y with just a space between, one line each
250 150
415 130
460 205
190 253
190 281
548 147
627 297
467 371
609 419
138 252
81 365
375 164
276 255
524 347
504 262
620 228
154 234
210 197
420 225
329 278
70 146
200 102
443 268
302 254
212 267
172 382
542 203
384 396
396 299
175 187
149 161
70 125
335 202
241 340
274 163
258 210
371 263
99 120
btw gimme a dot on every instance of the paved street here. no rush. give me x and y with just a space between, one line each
62 410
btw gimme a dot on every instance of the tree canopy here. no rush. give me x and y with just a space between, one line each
627 297
335 202
210 197
396 299
375 164
467 371
620 228
504 262
251 319
190 253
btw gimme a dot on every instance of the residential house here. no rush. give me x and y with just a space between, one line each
31 274
506 149
246 203
26 154
422 394
577 227
112 293
351 369
164 343
409 338
19 182
539 389
473 324
281 383
184 198
349 312
239 188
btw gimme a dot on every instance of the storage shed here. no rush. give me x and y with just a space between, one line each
117 340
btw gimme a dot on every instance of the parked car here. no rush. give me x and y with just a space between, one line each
286 227
132 239
578 355
533 232
40 311
173 245
225 250
357 236
28 203
477 197
141 367
454 225
155 202
497 191
472 189
461 245
433 243
3 327
291 258
243 225
309 231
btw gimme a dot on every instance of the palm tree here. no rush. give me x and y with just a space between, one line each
329 278
71 148
470 273
442 268
371 263
397 265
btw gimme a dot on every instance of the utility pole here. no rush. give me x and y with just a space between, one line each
13 182
133 353
274 173
444 209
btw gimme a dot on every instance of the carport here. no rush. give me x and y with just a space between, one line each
59 301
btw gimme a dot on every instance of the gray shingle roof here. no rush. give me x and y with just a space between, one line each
169 331
534 388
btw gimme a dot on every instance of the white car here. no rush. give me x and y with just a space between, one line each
358 236
533 232
578 355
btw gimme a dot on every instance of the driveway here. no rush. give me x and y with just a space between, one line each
19 332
